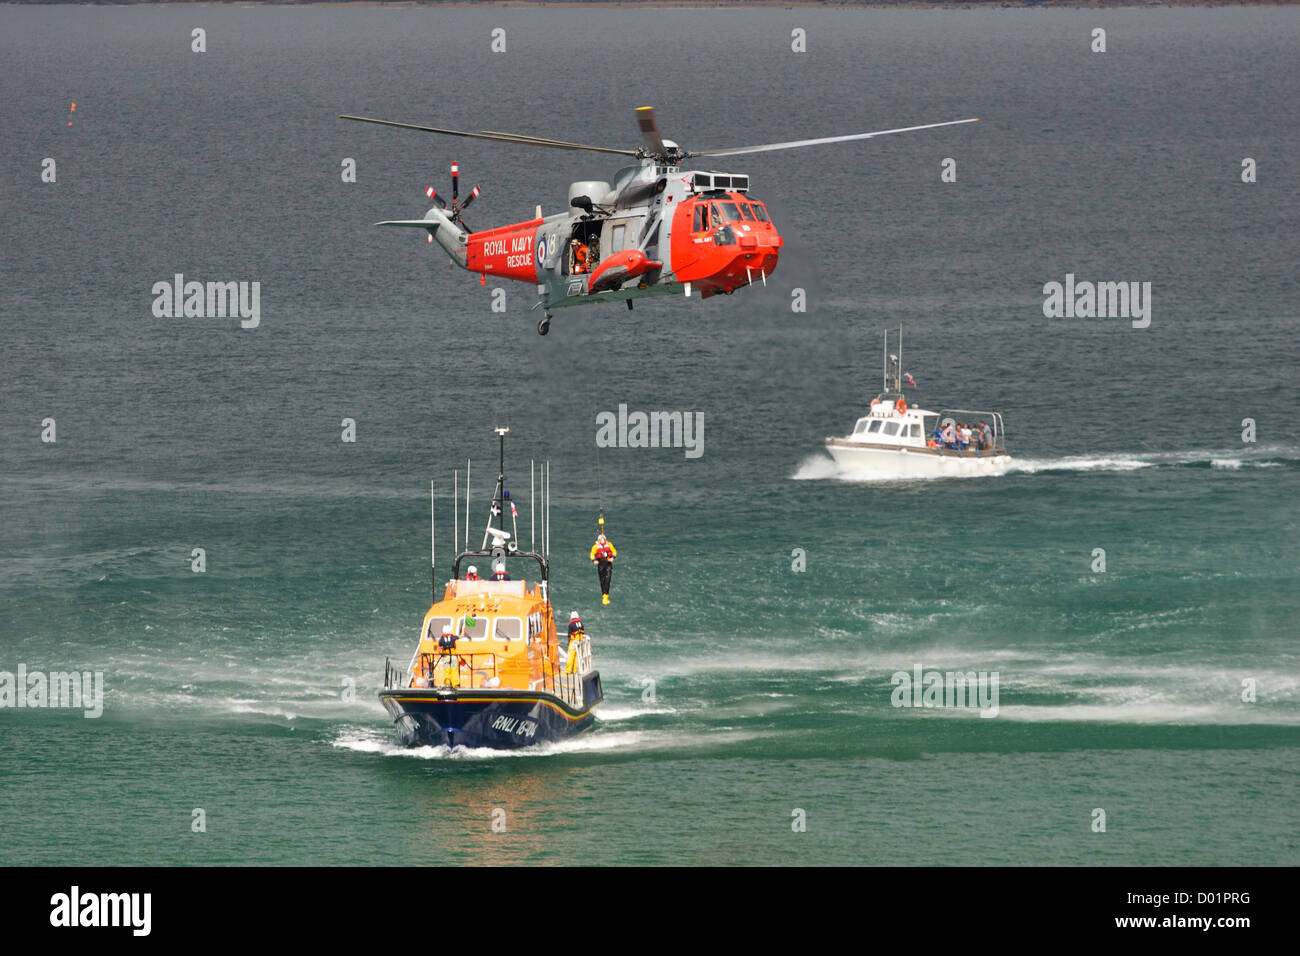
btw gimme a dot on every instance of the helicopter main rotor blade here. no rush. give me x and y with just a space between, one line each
495 137
645 118
825 139
524 140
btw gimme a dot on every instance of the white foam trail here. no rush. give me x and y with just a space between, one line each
1032 466
1137 712
629 713
264 710
1216 458
589 743
1235 463
814 468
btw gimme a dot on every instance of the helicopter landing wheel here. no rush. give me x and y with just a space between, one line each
544 326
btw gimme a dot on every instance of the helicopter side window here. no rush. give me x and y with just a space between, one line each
718 219
760 212
701 218
617 240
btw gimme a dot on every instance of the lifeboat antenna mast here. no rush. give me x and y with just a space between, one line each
433 546
499 498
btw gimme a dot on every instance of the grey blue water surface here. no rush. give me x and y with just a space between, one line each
738 689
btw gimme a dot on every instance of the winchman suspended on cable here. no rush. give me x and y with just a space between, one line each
603 554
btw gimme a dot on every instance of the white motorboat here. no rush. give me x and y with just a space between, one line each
899 439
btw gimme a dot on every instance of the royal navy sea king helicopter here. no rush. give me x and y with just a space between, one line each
657 229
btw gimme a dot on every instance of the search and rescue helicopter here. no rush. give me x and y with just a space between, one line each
658 229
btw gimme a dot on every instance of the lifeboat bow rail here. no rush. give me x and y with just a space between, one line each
457 670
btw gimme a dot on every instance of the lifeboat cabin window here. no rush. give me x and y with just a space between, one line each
509 629
861 426
916 431
891 428
478 632
436 626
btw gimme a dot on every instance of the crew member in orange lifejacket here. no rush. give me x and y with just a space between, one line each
580 253
602 556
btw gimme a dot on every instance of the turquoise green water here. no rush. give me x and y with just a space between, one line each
739 690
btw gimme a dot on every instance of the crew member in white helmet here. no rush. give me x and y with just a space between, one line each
576 633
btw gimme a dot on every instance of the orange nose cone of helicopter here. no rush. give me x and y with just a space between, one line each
723 244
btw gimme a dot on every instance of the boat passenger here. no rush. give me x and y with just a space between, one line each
499 572
986 437
950 435
965 436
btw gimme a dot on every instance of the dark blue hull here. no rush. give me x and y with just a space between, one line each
498 718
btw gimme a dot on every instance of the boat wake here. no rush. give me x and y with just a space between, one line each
1269 457
371 742
819 467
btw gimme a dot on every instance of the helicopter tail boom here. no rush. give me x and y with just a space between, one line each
452 236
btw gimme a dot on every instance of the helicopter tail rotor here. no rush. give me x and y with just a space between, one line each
455 208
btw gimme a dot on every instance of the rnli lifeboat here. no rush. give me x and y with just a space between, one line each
488 670
897 438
